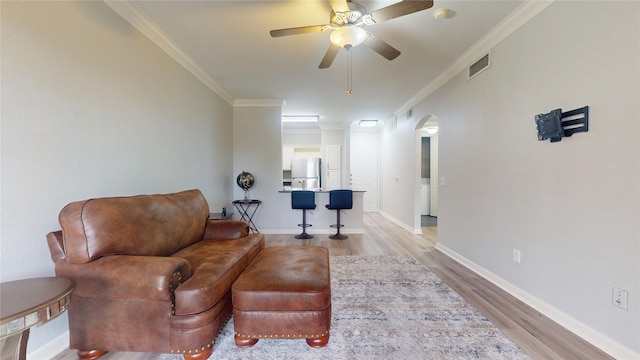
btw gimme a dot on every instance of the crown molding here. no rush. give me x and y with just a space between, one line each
152 31
506 27
258 102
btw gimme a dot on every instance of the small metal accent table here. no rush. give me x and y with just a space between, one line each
27 303
244 208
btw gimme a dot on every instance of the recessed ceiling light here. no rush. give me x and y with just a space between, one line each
368 123
431 130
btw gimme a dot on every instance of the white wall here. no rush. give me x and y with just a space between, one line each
399 178
301 138
90 108
257 148
571 207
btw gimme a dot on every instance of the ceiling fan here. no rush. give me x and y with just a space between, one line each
347 20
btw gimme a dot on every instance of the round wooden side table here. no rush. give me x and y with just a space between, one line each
27 303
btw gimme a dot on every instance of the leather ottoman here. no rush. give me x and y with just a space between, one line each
285 293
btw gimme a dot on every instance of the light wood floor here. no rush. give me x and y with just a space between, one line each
540 337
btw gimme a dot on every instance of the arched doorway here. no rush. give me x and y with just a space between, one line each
426 170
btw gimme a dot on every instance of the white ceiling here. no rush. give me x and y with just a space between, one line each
230 41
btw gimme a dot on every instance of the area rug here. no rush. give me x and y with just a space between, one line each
387 307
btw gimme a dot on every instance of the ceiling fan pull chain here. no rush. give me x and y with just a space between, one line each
349 73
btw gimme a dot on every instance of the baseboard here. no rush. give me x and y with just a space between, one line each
586 332
400 223
52 348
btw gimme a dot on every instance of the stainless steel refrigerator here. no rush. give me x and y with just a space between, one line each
305 173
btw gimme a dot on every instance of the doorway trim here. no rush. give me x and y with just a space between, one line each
417 141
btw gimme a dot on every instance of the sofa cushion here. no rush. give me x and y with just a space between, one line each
156 225
215 265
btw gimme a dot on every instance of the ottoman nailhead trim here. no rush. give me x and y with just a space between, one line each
282 336
193 351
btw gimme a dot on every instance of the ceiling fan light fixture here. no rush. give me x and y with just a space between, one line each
368 20
348 36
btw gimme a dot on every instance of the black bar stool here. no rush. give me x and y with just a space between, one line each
304 200
339 200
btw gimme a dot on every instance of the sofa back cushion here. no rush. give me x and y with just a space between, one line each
157 225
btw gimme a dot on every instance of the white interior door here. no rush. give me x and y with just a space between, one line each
364 168
334 157
333 180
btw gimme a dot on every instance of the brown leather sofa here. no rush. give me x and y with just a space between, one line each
152 274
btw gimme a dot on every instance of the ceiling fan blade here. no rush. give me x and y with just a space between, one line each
299 30
402 8
381 47
339 6
329 56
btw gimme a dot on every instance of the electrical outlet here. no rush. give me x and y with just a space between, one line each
517 255
620 298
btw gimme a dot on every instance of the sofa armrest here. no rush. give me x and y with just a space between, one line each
127 277
225 229
56 246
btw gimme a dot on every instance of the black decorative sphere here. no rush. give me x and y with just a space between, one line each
245 180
